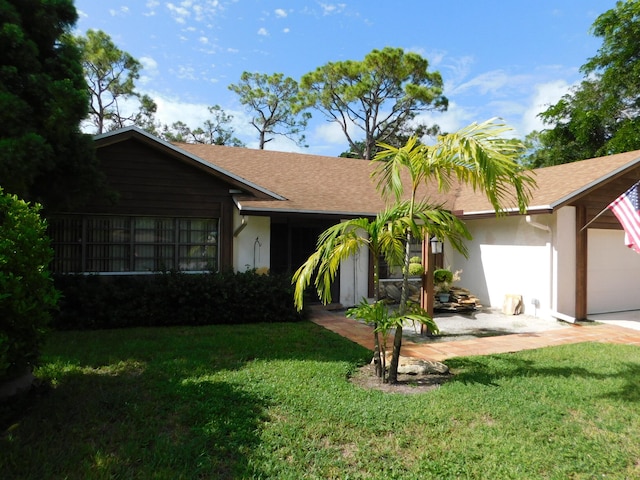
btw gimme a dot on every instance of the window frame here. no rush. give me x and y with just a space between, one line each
135 244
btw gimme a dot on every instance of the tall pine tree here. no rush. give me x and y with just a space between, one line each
44 156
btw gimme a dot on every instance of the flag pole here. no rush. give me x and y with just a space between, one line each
604 210
594 218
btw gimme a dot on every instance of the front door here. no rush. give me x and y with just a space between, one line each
292 242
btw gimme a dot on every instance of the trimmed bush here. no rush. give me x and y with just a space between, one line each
415 269
100 301
443 275
27 294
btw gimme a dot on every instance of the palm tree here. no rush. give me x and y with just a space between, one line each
477 155
338 243
383 236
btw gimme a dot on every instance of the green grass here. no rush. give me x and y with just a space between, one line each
273 401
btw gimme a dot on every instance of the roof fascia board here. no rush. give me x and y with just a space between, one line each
129 132
293 211
538 209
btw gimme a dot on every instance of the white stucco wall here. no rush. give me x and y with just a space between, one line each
251 243
613 273
354 278
564 242
508 256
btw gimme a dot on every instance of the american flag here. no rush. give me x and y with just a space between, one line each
625 208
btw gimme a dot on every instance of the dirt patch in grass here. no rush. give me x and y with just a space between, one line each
365 377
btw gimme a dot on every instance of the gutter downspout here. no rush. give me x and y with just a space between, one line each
546 228
243 224
552 311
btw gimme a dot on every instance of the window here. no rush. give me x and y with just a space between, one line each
103 243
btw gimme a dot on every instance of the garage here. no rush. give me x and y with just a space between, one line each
613 273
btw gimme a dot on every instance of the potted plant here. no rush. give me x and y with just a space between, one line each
442 278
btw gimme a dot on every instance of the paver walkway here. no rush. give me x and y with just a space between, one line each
363 335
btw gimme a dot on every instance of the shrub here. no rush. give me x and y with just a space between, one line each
415 269
27 294
97 301
442 276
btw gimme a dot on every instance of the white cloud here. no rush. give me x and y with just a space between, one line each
149 64
151 5
493 82
203 40
180 13
171 110
330 132
184 72
546 94
286 30
263 31
197 10
280 12
332 8
149 68
116 13
452 120
457 69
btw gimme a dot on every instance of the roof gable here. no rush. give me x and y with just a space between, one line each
233 179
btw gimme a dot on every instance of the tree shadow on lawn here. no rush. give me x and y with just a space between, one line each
153 406
127 425
491 368
630 392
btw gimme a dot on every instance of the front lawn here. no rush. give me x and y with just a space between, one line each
273 401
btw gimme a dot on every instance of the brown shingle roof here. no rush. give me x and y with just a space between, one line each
310 183
343 186
559 184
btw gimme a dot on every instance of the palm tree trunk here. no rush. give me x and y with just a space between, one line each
376 352
404 295
378 364
395 356
402 309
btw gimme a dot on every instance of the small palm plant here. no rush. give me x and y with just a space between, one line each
384 321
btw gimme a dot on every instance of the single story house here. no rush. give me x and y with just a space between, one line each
197 207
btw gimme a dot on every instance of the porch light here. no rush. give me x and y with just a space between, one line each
436 245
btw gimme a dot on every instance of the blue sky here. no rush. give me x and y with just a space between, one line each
498 58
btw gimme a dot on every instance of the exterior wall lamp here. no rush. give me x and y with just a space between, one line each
436 245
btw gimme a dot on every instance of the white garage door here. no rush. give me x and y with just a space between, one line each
613 273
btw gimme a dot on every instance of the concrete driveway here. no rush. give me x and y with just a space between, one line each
630 319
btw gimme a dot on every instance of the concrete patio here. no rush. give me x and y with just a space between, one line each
464 336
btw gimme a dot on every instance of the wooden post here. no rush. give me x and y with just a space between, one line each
426 292
581 263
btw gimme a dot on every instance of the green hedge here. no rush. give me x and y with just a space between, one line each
26 290
100 301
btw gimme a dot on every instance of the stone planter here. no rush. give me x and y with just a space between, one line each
390 288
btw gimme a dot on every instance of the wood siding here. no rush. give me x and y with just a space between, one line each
147 181
597 200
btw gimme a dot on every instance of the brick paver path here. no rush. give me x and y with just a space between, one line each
363 335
